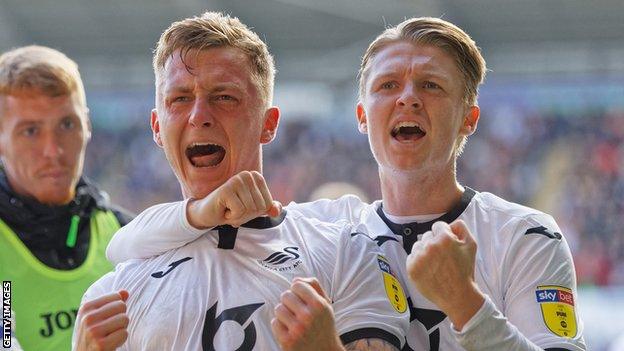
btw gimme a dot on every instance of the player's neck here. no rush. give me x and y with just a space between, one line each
419 193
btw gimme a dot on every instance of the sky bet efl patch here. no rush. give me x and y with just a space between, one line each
394 290
557 304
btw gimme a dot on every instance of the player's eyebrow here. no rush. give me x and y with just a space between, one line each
23 123
178 89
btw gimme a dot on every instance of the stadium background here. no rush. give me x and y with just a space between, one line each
551 134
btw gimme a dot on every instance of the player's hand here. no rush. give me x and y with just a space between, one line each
102 323
243 197
442 265
304 320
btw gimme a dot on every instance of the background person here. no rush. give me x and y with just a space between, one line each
55 224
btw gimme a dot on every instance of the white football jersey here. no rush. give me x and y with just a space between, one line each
219 291
523 265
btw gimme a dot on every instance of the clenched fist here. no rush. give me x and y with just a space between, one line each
304 320
442 265
102 323
243 197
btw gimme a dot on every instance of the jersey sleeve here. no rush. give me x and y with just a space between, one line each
539 295
347 208
368 300
154 231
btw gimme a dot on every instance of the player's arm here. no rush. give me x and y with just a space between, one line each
448 281
368 300
304 320
168 226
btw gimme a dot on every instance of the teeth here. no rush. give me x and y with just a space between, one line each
396 128
201 144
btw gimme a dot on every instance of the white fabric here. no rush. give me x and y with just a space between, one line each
509 267
411 219
170 313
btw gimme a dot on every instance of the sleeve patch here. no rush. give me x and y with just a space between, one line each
557 305
394 290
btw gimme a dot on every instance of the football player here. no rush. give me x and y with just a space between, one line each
278 281
482 273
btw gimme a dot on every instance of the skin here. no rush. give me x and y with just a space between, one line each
42 144
211 99
421 83
304 313
103 323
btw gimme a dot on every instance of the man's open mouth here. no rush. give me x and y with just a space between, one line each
407 131
205 155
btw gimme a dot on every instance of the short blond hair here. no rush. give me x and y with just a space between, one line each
212 30
41 69
442 34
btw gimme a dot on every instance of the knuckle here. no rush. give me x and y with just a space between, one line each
297 330
285 295
317 305
306 317
125 320
90 319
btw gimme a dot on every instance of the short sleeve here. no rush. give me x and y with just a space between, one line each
368 299
540 295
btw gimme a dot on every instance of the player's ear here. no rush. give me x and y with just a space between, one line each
269 127
155 127
471 119
360 113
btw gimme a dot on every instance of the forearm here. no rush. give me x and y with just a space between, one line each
370 344
490 330
156 230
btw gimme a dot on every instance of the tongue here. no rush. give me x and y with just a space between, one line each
208 160
409 134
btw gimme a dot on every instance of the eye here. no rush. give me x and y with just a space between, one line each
29 131
182 98
430 85
68 124
225 97
389 85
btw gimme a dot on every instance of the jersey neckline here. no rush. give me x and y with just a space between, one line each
410 231
227 233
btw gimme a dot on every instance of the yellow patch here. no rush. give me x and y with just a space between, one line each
557 305
394 290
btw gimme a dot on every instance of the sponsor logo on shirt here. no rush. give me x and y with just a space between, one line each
557 305
285 260
394 290
241 316
171 266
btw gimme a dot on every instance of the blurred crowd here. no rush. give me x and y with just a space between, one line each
571 166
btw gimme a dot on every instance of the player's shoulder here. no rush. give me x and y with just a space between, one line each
324 235
308 225
500 211
504 224
348 207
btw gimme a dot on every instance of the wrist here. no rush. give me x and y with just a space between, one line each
465 308
194 217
